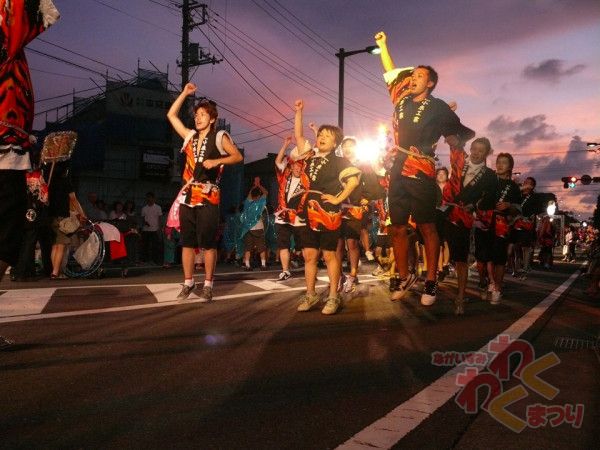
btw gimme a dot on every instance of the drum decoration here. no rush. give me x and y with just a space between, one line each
58 146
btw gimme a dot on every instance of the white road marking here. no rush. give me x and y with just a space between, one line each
167 292
266 285
24 301
390 429
166 297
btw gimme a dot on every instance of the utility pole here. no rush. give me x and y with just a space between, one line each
191 54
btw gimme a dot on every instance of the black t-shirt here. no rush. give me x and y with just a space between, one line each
323 174
483 191
507 191
421 124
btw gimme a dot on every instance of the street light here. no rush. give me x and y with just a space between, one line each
342 55
551 209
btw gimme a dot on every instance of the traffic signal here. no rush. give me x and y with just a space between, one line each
569 182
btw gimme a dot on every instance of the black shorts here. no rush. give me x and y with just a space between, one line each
412 196
324 240
523 238
458 238
350 229
284 236
490 248
199 226
13 205
255 239
384 241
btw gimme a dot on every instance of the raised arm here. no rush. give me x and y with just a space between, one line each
281 154
386 59
173 114
298 131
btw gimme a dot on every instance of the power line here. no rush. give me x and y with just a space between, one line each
65 95
135 18
79 66
327 93
57 74
246 81
366 73
171 8
325 56
70 63
82 56
297 75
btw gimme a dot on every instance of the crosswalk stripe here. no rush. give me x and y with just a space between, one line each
166 292
164 295
266 285
23 302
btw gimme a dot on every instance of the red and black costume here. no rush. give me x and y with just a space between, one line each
292 191
327 174
525 225
492 226
199 213
417 128
462 196
20 22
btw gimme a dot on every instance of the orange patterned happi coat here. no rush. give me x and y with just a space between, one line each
318 218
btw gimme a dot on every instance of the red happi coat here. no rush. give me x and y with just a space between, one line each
21 21
453 188
285 213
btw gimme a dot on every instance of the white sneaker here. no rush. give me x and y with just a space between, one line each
308 302
332 305
429 293
369 255
378 271
496 296
349 284
285 275
404 286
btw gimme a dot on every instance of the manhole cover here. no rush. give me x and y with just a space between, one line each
569 343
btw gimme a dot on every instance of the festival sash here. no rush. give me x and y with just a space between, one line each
416 162
524 223
484 219
199 194
352 212
459 214
318 218
502 227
